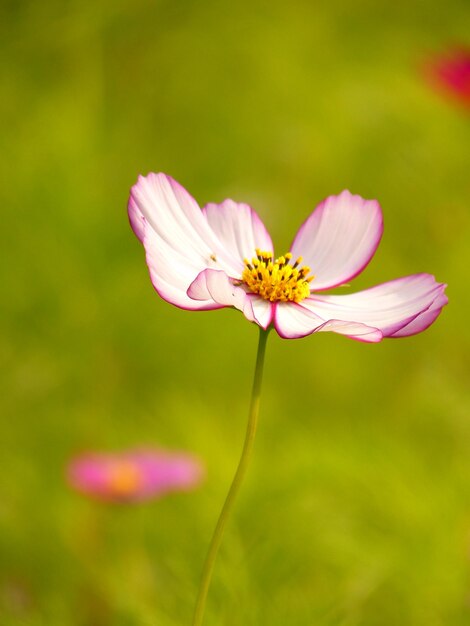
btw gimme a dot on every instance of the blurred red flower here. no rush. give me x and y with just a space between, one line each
450 74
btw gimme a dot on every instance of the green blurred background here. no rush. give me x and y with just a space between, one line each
356 511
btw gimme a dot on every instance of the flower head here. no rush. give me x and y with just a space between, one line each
450 73
222 256
134 475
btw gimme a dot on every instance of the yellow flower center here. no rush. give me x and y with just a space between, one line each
124 478
277 280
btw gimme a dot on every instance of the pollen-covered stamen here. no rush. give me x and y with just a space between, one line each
277 280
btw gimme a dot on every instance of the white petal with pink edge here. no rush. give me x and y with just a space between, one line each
238 228
293 321
339 238
176 218
178 238
399 307
171 272
214 286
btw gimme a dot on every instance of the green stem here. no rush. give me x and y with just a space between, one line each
236 482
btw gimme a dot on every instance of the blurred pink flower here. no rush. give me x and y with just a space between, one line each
450 73
222 256
134 475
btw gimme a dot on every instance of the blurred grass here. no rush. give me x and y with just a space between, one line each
357 508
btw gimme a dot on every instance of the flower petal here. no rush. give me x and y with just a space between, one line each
178 239
239 229
171 272
163 472
339 239
401 307
214 287
172 213
293 321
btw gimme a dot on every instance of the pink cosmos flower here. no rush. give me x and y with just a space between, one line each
222 256
133 476
451 73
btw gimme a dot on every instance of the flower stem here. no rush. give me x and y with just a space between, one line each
236 482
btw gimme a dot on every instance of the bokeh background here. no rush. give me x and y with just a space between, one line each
356 511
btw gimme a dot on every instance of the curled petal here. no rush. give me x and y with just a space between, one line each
339 238
217 290
263 310
293 321
238 228
136 219
400 307
423 320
